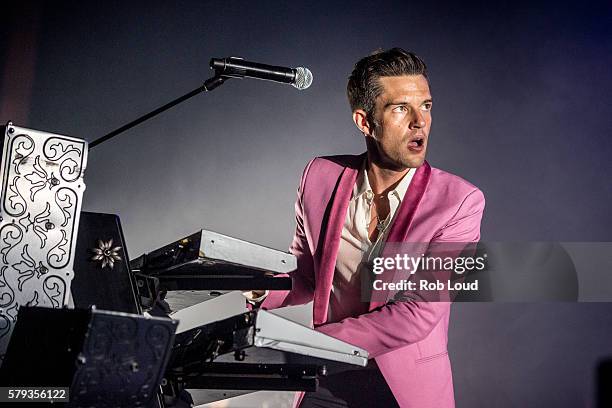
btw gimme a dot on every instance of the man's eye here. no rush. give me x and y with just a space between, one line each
400 108
426 106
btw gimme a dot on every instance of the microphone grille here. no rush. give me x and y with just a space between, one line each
303 78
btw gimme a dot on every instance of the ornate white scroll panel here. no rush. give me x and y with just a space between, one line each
40 200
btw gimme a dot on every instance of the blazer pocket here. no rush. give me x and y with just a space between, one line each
431 358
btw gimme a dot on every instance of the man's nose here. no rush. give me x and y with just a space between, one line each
418 120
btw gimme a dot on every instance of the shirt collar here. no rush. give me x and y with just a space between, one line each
362 184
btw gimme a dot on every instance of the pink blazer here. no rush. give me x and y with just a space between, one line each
407 339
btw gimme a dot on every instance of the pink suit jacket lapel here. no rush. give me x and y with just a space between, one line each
329 252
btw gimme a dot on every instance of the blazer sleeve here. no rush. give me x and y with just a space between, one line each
398 324
302 278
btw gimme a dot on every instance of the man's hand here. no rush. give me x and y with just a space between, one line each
255 297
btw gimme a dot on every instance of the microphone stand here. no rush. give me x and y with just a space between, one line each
209 85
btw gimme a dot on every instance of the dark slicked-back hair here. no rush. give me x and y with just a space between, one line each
364 86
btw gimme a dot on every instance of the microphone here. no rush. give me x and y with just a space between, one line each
236 67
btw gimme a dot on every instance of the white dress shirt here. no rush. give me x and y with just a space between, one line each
356 249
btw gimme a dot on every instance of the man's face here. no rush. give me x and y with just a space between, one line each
402 118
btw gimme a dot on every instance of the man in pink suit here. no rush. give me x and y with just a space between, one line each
349 207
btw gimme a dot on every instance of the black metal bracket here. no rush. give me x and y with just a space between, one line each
148 289
250 376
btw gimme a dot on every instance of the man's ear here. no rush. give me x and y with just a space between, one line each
361 121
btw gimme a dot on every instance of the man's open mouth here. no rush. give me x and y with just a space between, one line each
416 142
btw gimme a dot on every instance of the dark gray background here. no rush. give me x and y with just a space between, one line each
522 110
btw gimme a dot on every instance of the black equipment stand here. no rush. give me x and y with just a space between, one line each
208 86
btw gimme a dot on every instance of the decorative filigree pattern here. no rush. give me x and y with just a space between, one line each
57 256
5 326
7 296
24 146
68 153
55 289
10 237
42 187
40 224
39 178
15 200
